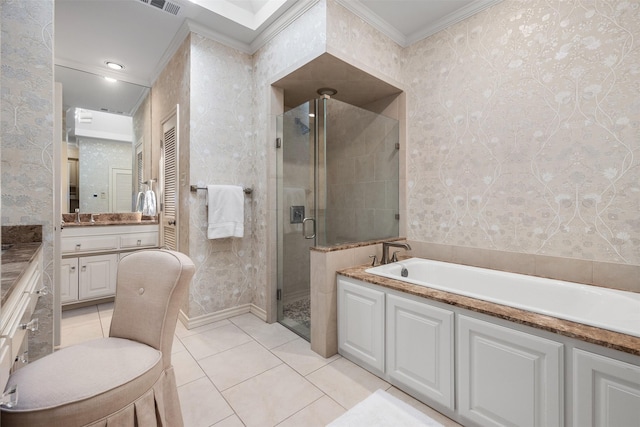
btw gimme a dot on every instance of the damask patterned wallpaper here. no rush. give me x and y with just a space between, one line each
27 136
524 131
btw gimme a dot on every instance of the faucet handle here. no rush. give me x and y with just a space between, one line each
394 256
375 260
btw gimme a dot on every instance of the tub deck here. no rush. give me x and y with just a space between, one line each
596 335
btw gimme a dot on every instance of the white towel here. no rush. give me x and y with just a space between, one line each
225 211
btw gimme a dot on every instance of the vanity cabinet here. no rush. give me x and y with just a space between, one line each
606 391
16 320
90 256
508 377
419 348
361 331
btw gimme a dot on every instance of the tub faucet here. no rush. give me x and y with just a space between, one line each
385 250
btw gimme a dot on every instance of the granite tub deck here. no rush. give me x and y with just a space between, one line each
614 340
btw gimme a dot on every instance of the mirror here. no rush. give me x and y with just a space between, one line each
106 147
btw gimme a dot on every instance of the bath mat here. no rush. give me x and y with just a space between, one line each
383 410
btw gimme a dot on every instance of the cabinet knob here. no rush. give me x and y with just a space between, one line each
32 325
43 291
139 242
84 268
73 269
78 246
9 398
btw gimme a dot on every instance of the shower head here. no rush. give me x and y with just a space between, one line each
327 91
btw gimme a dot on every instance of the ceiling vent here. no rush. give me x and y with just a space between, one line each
167 6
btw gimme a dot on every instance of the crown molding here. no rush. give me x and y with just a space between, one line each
360 10
451 19
283 21
357 8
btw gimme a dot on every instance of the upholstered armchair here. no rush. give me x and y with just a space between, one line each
126 379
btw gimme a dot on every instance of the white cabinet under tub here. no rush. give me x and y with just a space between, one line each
90 256
419 348
361 334
508 377
606 391
481 370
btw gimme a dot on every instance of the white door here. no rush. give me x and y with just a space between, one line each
121 190
169 185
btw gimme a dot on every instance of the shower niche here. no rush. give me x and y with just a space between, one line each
338 173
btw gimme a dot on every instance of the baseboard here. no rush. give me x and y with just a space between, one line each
205 319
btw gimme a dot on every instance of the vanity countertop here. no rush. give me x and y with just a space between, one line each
15 261
106 219
603 337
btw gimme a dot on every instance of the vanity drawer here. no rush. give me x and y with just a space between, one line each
138 240
16 330
89 244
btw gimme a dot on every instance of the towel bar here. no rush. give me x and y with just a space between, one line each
195 188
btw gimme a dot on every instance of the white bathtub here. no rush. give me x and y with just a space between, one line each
604 308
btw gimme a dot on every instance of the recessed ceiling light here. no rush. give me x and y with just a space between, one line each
114 66
110 79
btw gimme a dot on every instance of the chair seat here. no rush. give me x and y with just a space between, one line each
62 383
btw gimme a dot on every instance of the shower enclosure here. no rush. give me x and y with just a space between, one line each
337 182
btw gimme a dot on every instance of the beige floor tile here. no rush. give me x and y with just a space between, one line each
437 416
318 414
186 368
345 382
269 335
177 345
70 335
232 421
202 405
182 331
214 341
79 316
271 397
299 356
238 364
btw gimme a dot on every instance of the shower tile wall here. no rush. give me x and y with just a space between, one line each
27 129
362 175
298 190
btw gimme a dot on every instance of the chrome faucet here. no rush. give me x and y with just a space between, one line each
78 215
385 251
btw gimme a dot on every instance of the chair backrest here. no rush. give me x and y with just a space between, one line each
151 287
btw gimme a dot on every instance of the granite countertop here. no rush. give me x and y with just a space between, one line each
105 219
603 337
15 261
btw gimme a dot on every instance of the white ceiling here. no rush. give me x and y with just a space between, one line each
143 34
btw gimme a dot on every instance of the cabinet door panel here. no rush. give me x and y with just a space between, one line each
68 280
97 276
508 377
361 324
420 348
606 392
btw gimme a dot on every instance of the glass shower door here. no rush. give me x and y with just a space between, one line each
296 198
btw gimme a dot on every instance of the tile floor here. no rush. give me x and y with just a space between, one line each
245 372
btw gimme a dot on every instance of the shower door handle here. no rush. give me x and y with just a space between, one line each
304 228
